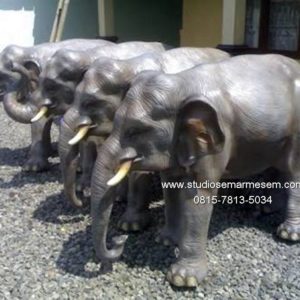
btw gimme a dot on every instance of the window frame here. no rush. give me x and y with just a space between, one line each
263 39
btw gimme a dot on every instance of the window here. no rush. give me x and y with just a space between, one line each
273 26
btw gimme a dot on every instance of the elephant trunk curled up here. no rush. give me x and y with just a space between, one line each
19 112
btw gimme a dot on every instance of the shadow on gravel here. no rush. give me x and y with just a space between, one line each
239 216
13 157
77 256
21 178
55 209
17 157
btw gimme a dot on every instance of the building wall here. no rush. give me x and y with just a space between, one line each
28 22
202 23
81 21
155 20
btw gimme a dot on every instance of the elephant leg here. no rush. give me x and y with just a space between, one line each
277 194
88 157
137 214
41 147
290 228
191 265
170 232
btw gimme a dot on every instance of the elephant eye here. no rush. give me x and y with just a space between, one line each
88 103
49 86
94 105
133 132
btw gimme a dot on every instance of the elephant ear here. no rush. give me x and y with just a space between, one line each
33 68
198 132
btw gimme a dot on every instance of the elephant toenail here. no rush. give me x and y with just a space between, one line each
124 226
191 281
135 226
294 236
169 276
178 280
284 234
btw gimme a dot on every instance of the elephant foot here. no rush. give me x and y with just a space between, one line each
166 241
134 221
83 186
85 190
288 231
167 237
188 273
36 164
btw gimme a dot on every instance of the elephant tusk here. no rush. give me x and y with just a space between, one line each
42 112
123 171
80 135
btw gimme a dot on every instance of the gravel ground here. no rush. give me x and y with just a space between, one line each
46 251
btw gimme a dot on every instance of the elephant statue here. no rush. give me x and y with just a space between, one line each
62 73
20 68
98 96
229 119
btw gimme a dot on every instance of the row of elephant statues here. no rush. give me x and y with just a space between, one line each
133 112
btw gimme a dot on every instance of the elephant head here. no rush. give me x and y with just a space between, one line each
106 82
159 126
99 95
58 81
18 77
9 56
66 69
29 62
97 98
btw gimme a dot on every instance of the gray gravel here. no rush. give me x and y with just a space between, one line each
46 251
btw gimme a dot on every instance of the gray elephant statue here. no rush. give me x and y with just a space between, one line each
98 96
54 93
229 119
57 81
20 68
64 71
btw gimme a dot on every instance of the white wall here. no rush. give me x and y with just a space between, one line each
16 27
27 22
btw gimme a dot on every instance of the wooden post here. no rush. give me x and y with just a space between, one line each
59 21
234 15
106 17
56 20
62 20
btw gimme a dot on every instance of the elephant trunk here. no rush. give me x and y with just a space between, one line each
102 203
19 112
69 157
